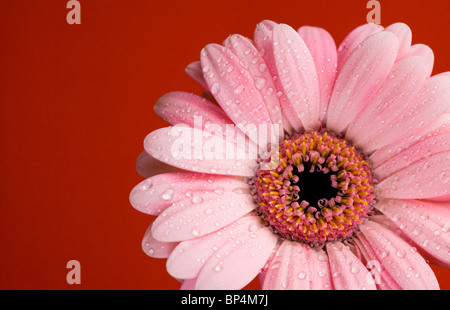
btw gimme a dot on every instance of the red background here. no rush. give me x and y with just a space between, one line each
77 102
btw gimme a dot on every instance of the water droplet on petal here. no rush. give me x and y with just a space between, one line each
168 194
302 275
215 89
196 200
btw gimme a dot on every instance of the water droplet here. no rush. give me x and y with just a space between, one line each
215 89
302 275
168 194
151 252
252 227
260 82
354 269
239 89
196 200
262 67
401 253
336 274
219 191
146 185
208 211
195 232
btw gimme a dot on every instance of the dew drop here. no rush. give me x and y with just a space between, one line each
215 89
219 191
168 194
401 253
302 275
208 211
196 200
354 269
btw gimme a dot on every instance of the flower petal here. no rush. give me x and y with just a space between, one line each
323 51
404 35
201 215
190 256
402 85
407 268
263 40
203 151
440 126
297 266
155 194
428 105
425 223
361 77
155 248
353 39
424 51
148 166
348 272
421 150
186 108
431 177
233 87
298 76
194 70
188 285
238 261
252 60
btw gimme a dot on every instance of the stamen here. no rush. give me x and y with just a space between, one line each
320 189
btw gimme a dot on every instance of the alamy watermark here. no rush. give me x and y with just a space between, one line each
374 15
209 141
74 15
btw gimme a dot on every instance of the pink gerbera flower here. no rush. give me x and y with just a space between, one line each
351 193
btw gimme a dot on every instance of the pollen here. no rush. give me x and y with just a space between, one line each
318 188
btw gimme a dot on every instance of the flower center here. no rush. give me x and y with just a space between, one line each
318 188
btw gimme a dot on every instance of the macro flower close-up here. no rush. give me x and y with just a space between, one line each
308 164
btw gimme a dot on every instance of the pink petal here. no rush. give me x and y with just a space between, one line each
421 150
148 166
424 51
427 224
426 178
188 285
233 87
183 108
353 39
429 104
406 267
203 151
404 35
201 215
440 126
360 79
402 85
323 51
263 40
297 266
298 76
190 256
154 195
252 60
238 261
155 248
194 70
382 279
348 272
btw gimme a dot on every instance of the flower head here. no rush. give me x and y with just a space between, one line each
310 166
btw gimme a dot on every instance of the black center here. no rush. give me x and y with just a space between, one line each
314 186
